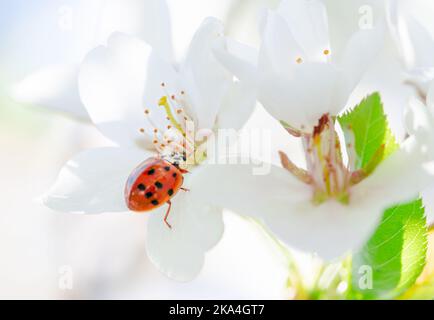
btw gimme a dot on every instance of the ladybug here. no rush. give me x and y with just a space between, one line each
152 184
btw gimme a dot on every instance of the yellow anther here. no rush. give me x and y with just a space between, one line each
326 52
164 103
299 60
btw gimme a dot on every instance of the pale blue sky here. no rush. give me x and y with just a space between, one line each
30 36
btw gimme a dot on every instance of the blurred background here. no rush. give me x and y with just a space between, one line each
104 255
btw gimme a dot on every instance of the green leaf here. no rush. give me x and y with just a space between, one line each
423 289
366 130
395 255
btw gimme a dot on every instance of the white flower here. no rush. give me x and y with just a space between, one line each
297 75
143 102
410 23
89 23
420 122
328 207
332 227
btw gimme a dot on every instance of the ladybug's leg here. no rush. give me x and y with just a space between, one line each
185 189
167 214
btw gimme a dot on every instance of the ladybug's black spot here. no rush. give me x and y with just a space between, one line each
158 184
141 187
174 175
167 168
155 202
149 195
151 172
170 192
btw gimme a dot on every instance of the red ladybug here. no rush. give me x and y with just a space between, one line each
152 184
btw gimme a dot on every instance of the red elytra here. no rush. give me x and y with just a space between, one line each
152 184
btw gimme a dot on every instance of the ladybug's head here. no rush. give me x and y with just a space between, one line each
176 158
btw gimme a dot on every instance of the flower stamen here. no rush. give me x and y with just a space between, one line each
165 104
326 172
176 138
301 174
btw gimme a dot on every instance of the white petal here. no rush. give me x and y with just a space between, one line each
308 22
94 181
179 252
279 49
411 25
113 83
417 117
96 20
239 59
330 229
428 201
361 50
420 123
415 37
398 179
208 79
237 106
149 20
263 135
304 98
430 97
250 189
54 87
391 8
